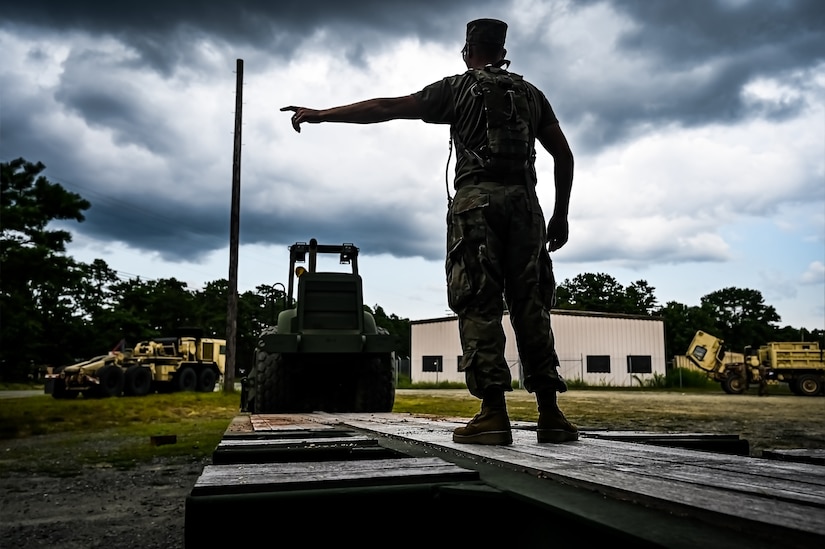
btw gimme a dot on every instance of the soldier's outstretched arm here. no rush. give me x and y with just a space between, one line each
553 140
370 111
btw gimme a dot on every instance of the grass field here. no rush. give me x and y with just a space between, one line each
40 432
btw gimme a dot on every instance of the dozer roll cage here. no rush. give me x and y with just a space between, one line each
348 255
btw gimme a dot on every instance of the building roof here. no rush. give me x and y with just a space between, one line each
554 312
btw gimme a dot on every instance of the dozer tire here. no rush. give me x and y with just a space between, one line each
137 381
111 382
207 379
276 388
809 385
375 390
187 379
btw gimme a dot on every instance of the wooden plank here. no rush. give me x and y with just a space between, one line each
736 487
437 432
281 443
275 422
633 436
814 456
258 478
709 442
279 449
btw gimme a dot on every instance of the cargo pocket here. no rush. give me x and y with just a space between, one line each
459 284
467 232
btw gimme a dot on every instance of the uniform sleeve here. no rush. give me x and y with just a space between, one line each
546 116
437 102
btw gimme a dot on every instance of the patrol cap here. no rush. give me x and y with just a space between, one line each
490 31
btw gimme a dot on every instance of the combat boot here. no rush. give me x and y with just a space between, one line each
552 425
490 426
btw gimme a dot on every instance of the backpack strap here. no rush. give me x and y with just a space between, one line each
509 145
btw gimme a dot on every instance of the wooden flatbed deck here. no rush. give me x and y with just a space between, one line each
331 476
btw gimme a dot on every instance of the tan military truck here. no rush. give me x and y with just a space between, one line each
186 362
799 364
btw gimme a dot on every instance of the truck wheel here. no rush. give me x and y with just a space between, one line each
59 390
734 385
375 391
137 381
206 380
111 381
809 385
187 379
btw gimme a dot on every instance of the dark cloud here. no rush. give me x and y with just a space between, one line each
733 42
725 45
158 222
164 32
781 34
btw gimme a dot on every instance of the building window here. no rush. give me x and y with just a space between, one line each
598 364
431 364
639 364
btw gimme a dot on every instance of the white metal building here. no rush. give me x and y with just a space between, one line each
602 349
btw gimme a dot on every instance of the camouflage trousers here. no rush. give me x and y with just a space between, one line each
496 253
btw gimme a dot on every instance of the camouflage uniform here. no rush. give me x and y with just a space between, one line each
496 236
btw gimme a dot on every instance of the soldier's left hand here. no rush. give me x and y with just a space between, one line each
557 233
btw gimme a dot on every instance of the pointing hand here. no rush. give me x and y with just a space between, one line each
302 114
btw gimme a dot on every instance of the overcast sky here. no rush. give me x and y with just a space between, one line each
698 130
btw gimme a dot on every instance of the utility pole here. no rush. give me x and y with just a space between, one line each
234 231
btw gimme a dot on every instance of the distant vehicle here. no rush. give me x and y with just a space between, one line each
186 362
799 364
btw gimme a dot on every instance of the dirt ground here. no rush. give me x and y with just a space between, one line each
144 507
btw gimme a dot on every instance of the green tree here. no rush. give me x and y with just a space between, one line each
640 299
598 292
93 300
36 313
601 292
127 316
741 317
154 308
272 302
681 324
211 308
399 327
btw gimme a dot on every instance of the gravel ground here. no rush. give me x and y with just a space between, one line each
143 507
103 507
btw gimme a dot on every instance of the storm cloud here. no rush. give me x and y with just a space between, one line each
680 114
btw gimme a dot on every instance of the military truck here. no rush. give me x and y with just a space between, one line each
326 352
185 362
799 364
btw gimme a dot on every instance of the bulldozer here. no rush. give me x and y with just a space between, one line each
326 352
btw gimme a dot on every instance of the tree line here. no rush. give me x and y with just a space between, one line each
55 310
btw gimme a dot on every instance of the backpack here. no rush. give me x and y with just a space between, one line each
509 148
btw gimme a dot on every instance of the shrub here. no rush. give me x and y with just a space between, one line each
685 377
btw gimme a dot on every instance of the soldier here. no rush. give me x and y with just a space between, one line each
763 380
496 235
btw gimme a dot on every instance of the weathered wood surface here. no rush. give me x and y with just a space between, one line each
726 487
800 455
265 477
298 442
